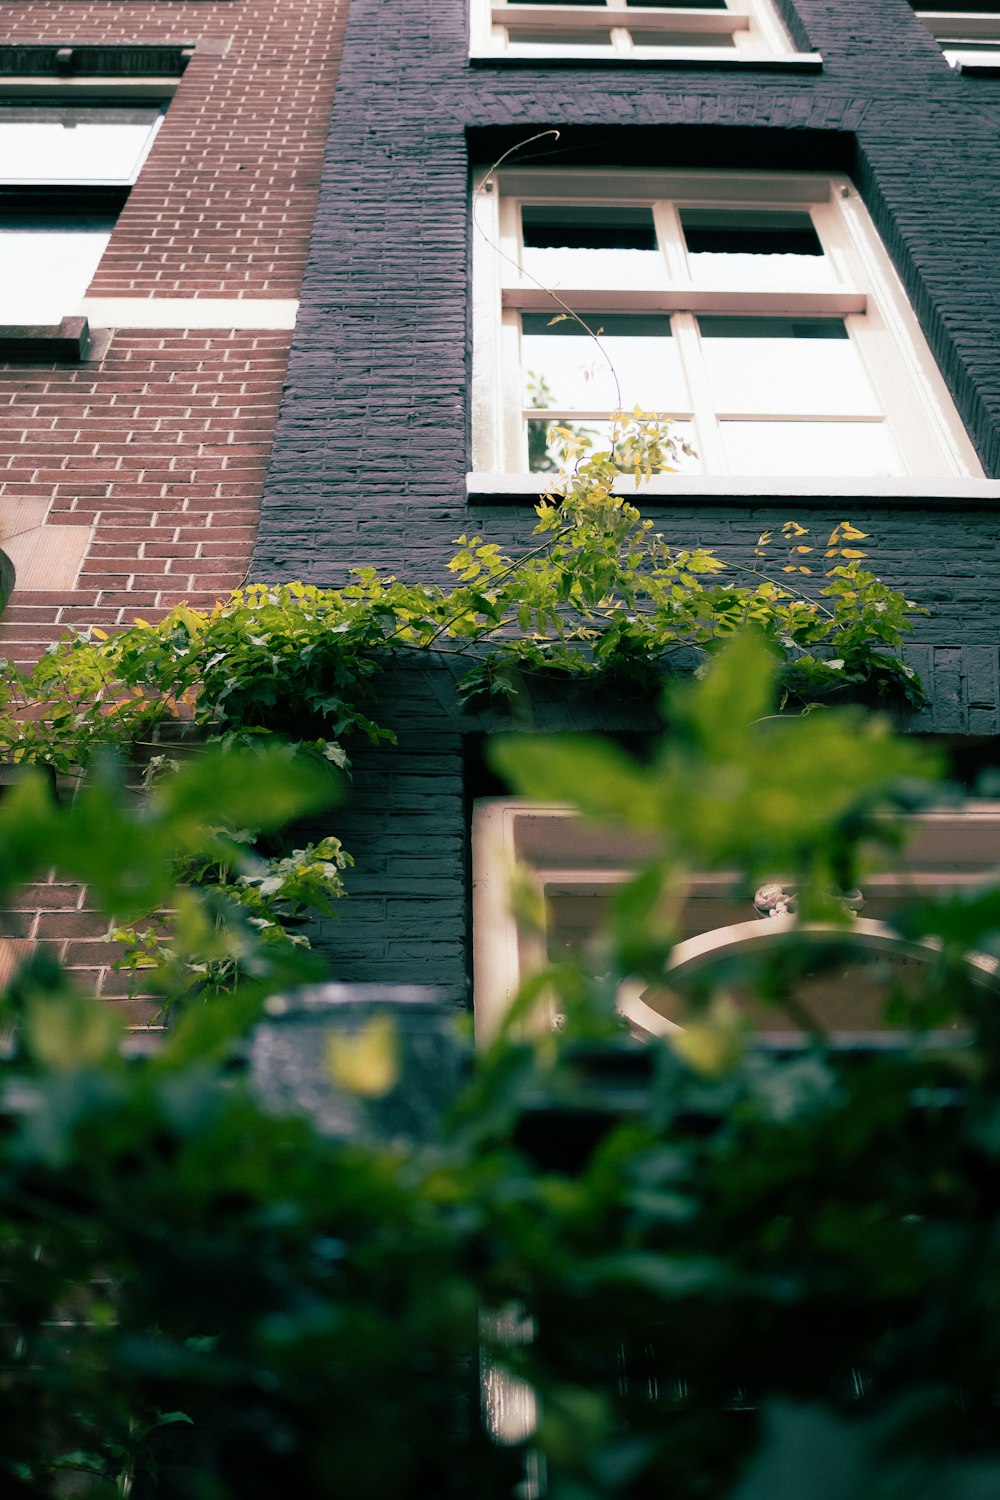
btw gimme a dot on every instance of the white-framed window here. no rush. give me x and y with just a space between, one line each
546 861
624 30
758 311
65 171
969 34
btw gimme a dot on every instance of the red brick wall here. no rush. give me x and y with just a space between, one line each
162 449
162 446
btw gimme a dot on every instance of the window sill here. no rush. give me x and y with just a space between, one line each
68 342
678 57
979 69
663 489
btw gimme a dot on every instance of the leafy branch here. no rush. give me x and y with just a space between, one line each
600 592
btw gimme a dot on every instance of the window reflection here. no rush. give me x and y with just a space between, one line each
577 376
591 245
758 248
786 366
828 450
74 143
543 38
546 446
643 38
46 264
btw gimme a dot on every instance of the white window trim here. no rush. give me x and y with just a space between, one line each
916 403
747 31
548 846
952 28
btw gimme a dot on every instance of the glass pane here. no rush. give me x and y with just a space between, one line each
545 457
591 246
642 38
648 5
72 143
820 450
793 366
971 43
47 264
544 38
564 370
961 7
755 248
676 4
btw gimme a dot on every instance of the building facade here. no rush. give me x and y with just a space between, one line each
159 171
794 203
784 213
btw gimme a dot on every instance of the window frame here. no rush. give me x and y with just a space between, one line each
551 848
970 26
918 409
751 28
51 202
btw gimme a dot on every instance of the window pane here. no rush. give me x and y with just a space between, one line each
754 248
46 265
641 38
648 5
72 143
676 4
545 457
967 7
821 450
564 370
545 37
592 246
793 366
970 43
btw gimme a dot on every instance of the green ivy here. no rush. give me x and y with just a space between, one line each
599 594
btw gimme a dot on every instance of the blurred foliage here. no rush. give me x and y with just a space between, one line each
758 1274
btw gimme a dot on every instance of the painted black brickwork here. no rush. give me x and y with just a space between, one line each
372 447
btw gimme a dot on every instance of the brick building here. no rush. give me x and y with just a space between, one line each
794 184
864 131
168 154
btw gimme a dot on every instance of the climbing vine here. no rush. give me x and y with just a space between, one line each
599 593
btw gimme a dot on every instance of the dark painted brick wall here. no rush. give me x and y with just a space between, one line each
372 445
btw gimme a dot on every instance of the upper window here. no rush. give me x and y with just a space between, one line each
758 312
65 171
968 31
706 30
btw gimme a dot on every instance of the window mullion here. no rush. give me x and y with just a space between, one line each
765 34
670 238
708 434
511 416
